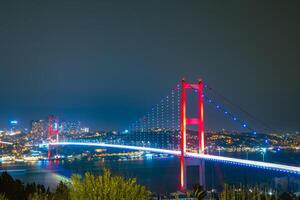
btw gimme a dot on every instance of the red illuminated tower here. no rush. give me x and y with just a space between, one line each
53 130
184 121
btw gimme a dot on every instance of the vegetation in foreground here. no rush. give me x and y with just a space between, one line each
231 192
108 187
90 187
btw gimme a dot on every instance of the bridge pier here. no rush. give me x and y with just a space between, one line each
202 174
183 178
184 164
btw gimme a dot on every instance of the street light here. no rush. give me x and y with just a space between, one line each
263 151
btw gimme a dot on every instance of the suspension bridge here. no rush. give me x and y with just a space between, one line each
164 129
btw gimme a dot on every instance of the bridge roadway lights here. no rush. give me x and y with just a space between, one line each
238 161
186 162
9 143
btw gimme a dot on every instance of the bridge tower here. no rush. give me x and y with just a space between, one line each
184 121
53 130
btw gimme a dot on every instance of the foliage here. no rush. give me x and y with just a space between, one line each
2 197
231 192
110 187
61 192
38 196
12 189
288 196
90 187
106 187
32 188
199 192
15 189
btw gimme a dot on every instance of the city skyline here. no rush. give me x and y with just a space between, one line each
149 100
100 63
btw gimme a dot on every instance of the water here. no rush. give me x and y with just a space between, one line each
162 175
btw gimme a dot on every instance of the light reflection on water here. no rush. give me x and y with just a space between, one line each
161 175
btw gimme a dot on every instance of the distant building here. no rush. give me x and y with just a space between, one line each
14 128
84 130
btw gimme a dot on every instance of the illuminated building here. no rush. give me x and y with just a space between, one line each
13 128
84 130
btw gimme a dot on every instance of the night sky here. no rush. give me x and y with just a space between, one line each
108 62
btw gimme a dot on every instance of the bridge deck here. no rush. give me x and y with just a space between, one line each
2 142
249 163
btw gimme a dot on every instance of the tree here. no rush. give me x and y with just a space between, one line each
61 192
106 187
12 189
231 192
2 197
38 196
288 196
199 192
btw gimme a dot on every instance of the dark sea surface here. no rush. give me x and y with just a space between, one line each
162 175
